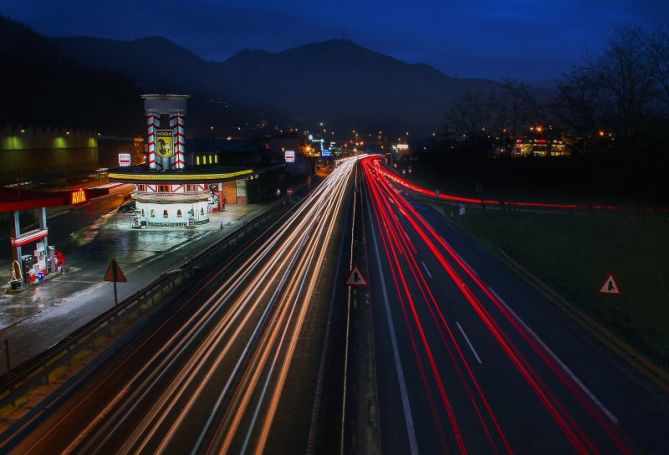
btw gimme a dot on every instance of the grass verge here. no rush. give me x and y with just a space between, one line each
575 252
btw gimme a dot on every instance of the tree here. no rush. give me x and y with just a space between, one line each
513 108
622 95
468 115
578 108
503 115
626 75
658 47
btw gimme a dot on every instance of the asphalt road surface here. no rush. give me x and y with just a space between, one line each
216 376
472 359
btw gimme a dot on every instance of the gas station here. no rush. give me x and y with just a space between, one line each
175 188
37 265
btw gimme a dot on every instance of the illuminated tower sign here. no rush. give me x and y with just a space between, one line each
166 145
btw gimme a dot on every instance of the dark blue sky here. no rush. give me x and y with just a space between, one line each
528 40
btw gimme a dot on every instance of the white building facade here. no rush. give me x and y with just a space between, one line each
171 205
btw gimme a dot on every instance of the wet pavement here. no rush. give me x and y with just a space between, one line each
39 317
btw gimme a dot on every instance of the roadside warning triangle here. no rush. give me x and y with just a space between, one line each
610 286
356 278
114 273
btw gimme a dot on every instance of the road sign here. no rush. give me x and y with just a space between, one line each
462 210
610 286
115 274
78 197
356 278
124 159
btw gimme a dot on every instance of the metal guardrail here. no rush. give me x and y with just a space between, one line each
48 368
19 385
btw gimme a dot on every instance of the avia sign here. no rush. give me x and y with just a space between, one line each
78 197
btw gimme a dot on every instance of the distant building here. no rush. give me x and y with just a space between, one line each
113 150
292 148
40 154
526 147
58 155
285 142
182 182
400 151
236 152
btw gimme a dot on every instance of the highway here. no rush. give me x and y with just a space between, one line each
472 359
231 370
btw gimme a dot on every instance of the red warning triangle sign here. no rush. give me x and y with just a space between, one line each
356 278
114 273
610 286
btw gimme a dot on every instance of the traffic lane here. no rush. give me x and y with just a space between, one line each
433 390
523 417
396 427
531 430
65 418
295 399
207 380
302 413
186 434
288 300
611 433
445 413
134 363
464 410
641 409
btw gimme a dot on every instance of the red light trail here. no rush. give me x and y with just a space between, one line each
497 203
390 209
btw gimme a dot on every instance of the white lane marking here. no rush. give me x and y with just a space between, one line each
478 359
426 270
571 374
408 418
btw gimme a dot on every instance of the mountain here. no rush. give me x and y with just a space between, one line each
160 66
336 81
150 62
347 86
41 86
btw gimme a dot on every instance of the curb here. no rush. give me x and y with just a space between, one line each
655 374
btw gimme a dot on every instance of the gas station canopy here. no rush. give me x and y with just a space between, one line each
13 200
